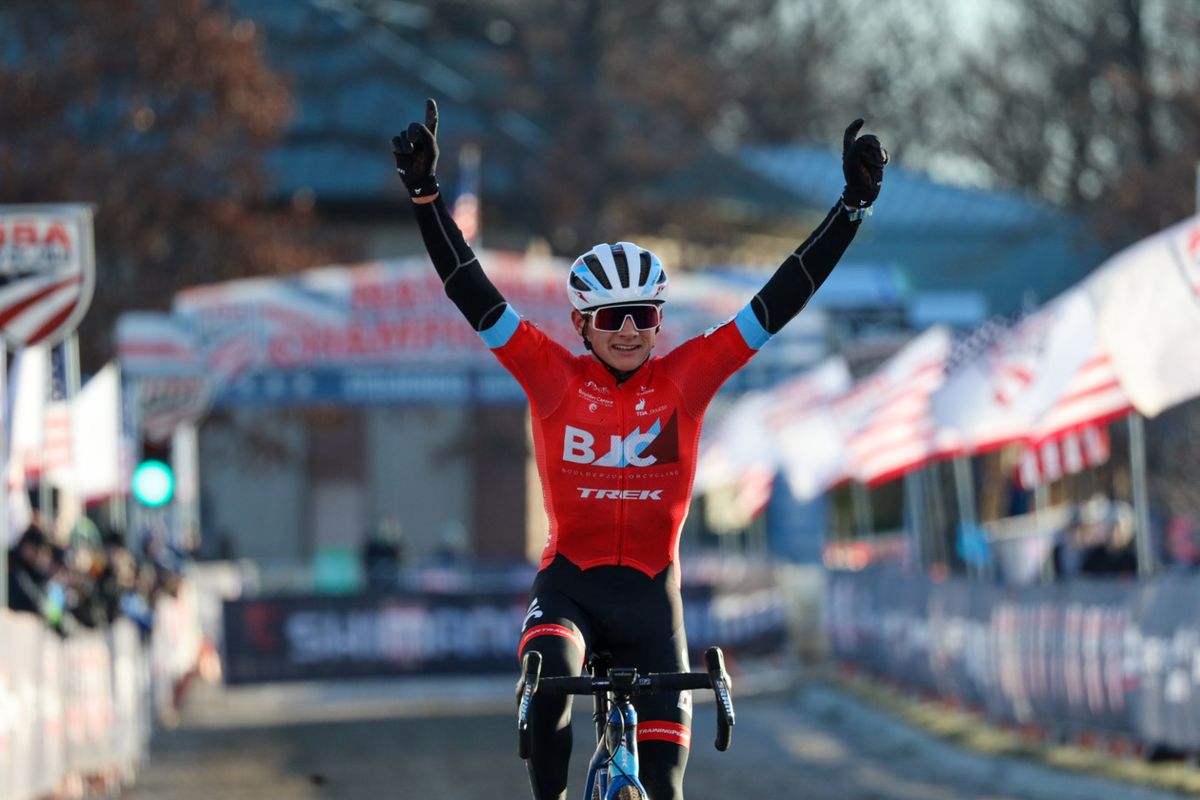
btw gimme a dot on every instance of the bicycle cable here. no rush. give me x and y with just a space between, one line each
621 737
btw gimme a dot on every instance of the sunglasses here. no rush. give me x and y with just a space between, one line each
610 319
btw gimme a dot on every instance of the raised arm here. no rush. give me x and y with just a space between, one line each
800 275
416 152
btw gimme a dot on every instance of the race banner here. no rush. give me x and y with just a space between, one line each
385 332
47 272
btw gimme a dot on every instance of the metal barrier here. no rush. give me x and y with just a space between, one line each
81 707
1099 655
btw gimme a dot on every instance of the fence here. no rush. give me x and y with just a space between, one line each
84 706
1101 656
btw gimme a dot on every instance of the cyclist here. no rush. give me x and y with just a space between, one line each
615 437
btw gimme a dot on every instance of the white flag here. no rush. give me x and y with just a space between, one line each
1147 300
97 435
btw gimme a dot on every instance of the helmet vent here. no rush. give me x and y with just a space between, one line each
622 265
597 269
578 283
645 273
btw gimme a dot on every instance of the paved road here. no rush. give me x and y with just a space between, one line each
446 740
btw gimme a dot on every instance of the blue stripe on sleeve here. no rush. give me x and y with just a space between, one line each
502 329
751 329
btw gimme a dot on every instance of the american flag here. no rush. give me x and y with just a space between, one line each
57 449
1065 454
889 413
1073 435
972 344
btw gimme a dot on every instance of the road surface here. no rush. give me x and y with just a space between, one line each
455 740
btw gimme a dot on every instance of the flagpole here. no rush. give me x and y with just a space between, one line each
73 380
45 494
964 488
1141 511
861 503
913 499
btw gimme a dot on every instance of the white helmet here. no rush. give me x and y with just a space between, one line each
603 276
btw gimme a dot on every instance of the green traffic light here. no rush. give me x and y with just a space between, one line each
153 483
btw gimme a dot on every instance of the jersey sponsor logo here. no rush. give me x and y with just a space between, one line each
641 410
620 494
534 612
595 399
658 444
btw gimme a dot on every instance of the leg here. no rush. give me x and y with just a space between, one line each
551 629
664 720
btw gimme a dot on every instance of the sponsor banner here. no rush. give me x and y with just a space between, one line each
1083 655
303 638
323 637
47 272
1164 651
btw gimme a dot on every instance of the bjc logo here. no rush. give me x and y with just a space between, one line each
579 447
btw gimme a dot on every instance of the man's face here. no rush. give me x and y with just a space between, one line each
625 350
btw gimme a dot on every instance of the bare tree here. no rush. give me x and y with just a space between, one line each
639 95
159 115
1092 104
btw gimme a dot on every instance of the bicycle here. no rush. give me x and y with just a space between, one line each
613 770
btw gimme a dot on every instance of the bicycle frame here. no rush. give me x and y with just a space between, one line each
614 765
616 736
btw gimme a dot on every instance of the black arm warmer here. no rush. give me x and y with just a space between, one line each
800 275
462 276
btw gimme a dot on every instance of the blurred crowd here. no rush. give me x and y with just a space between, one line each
1099 540
92 578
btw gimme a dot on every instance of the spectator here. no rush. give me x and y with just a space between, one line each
1182 549
1071 541
453 548
382 555
30 564
1110 537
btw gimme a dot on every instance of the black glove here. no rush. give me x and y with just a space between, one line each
863 160
416 154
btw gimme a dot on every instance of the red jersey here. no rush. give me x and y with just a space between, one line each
617 461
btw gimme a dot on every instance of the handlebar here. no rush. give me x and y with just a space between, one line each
628 682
